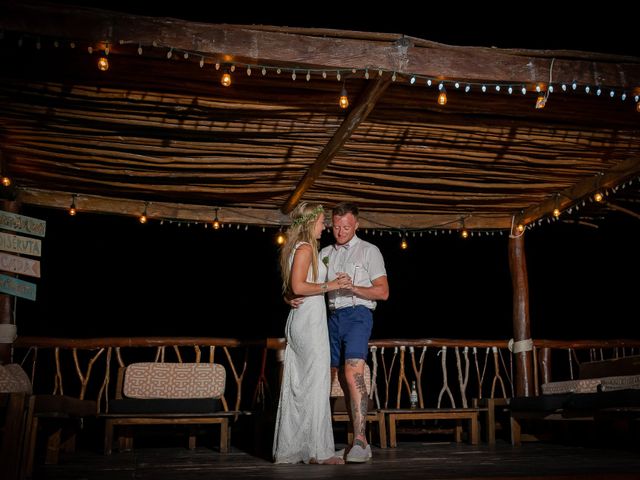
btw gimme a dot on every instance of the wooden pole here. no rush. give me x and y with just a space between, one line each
360 112
6 301
545 364
521 324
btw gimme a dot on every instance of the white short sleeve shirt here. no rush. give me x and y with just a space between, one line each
362 261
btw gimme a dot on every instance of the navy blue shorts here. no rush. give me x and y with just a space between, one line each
349 332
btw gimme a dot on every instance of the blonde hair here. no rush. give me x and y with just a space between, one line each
302 229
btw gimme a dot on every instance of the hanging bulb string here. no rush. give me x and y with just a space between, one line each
411 78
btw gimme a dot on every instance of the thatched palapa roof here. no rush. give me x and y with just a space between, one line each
158 128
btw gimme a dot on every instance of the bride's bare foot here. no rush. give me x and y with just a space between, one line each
332 461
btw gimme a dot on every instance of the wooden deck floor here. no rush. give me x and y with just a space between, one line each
410 460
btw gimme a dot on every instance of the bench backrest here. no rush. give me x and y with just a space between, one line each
149 380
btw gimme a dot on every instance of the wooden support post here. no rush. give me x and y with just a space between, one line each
521 324
6 301
544 360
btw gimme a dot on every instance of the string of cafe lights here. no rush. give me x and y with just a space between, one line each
456 226
543 89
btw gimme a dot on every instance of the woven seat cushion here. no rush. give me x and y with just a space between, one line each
165 405
589 385
593 401
174 380
541 403
13 379
622 382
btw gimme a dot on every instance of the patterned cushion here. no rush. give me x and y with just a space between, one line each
13 379
623 382
336 389
588 385
174 380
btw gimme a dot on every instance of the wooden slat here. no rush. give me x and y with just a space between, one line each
355 117
243 44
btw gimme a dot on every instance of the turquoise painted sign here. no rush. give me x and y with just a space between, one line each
20 223
17 287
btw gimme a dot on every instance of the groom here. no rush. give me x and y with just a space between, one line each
351 316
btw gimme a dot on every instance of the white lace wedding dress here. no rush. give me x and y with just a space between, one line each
303 424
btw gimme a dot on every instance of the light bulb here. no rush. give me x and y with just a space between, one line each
541 101
403 244
280 238
226 79
216 222
442 97
520 228
103 64
6 181
72 211
597 197
344 99
143 218
556 212
464 233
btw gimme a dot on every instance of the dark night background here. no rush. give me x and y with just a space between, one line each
108 275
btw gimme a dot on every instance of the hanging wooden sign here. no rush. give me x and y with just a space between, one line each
20 265
21 223
19 288
18 244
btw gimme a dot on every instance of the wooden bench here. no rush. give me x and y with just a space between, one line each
488 408
599 406
457 414
125 437
168 394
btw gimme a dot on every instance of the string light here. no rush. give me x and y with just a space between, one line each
216 222
103 64
404 244
344 99
225 80
541 101
72 208
556 210
463 233
143 218
598 197
280 239
408 77
442 98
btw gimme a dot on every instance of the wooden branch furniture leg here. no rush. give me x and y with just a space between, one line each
458 414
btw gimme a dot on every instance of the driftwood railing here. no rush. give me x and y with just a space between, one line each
83 368
451 373
448 372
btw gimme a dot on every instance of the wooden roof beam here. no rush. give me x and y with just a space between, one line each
244 215
564 199
332 49
356 116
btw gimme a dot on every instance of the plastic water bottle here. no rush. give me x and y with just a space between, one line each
414 395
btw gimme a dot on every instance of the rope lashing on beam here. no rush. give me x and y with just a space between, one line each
520 346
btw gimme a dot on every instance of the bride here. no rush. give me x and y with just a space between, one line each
303 425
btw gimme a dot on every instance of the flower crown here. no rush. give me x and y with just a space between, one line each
312 215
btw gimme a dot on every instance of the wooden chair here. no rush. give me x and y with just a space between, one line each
159 394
